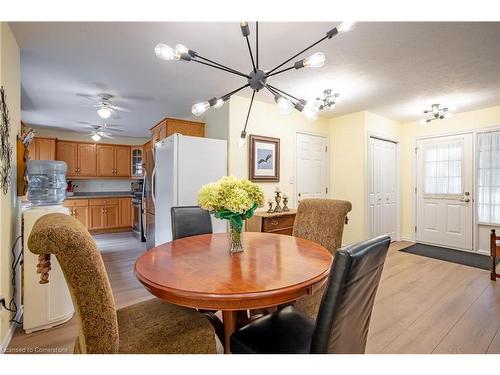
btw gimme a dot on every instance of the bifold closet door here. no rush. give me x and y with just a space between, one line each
382 188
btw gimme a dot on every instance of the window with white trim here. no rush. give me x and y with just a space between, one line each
443 168
488 177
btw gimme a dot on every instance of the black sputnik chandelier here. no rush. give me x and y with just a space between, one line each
257 79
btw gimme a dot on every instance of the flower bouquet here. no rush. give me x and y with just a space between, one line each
234 200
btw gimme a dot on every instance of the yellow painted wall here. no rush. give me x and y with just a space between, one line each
348 139
265 120
473 120
9 203
84 137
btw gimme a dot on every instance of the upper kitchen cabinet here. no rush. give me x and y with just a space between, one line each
42 149
169 126
79 157
113 161
137 153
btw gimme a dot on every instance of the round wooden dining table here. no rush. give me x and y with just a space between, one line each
199 272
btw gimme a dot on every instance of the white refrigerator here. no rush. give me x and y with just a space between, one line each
183 165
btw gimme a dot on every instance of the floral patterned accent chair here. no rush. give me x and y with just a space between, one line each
321 221
152 326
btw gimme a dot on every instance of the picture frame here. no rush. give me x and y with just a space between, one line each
263 159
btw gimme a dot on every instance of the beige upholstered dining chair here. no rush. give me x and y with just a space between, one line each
321 221
152 326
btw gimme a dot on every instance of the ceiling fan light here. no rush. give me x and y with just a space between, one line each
104 112
200 108
96 137
316 60
164 52
285 106
345 26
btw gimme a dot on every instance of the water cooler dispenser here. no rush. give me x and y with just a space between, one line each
46 300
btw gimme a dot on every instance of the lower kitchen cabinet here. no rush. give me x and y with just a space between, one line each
125 211
102 214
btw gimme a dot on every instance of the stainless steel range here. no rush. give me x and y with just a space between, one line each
137 222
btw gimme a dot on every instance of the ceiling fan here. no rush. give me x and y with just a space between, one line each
102 131
104 106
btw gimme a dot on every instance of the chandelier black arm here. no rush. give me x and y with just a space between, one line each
218 67
228 95
251 54
223 66
284 93
274 93
257 43
280 71
248 114
297 54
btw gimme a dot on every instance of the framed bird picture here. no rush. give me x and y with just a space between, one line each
264 159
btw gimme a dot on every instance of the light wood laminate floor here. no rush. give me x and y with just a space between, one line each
423 305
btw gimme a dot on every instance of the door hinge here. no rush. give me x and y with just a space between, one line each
416 148
326 190
415 229
326 148
415 190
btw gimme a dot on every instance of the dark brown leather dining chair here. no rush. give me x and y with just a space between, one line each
190 221
344 315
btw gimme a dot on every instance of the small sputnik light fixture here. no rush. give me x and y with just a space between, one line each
436 112
257 78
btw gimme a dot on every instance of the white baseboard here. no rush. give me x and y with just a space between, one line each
408 239
6 341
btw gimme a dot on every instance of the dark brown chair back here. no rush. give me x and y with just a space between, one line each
344 314
190 221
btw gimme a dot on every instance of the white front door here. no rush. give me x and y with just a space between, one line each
312 166
382 188
444 191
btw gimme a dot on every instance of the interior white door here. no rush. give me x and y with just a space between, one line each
444 191
382 188
312 166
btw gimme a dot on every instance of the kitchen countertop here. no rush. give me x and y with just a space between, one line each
100 194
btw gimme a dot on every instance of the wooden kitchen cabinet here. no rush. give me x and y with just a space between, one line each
42 149
68 152
137 161
79 209
169 126
125 211
113 161
87 160
103 213
79 157
122 161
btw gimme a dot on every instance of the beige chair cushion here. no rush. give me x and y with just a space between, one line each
155 326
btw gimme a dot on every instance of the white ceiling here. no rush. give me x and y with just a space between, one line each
393 69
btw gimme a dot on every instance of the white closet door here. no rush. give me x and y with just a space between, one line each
382 188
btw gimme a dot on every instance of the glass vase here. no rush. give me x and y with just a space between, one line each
235 237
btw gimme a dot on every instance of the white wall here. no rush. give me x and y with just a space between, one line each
265 120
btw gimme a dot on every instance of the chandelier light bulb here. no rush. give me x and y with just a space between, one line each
219 103
345 26
285 106
104 112
180 49
315 61
200 108
164 52
96 137
310 112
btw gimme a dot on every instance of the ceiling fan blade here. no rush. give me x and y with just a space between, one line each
121 109
109 136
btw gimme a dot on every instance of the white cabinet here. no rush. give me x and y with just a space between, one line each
44 305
